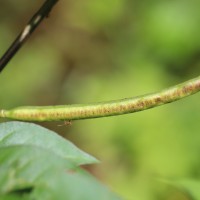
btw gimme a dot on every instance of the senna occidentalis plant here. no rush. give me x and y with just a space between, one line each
103 109
85 111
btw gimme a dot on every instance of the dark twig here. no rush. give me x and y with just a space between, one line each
29 28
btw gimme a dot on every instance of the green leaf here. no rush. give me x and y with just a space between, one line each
31 170
15 133
27 173
22 166
74 186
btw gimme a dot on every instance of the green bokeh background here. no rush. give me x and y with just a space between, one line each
96 50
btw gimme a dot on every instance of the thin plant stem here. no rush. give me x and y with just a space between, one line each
103 109
28 29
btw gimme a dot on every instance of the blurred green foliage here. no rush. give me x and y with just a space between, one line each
94 50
